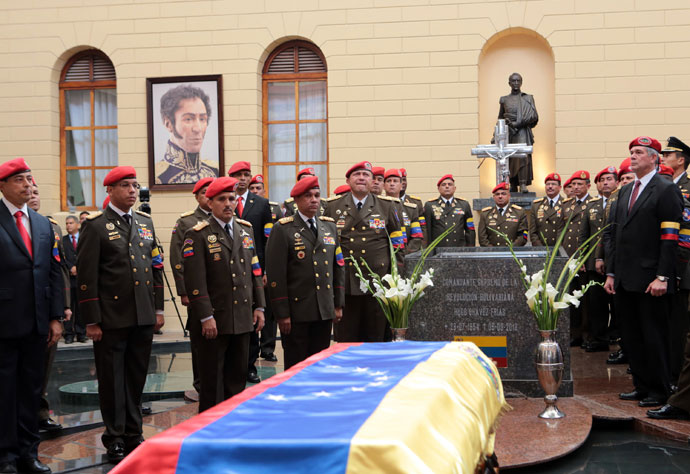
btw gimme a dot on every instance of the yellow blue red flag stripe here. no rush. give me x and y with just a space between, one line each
256 268
339 257
397 239
56 250
422 221
156 258
267 229
684 238
470 223
669 230
416 231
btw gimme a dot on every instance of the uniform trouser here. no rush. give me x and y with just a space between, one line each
268 333
678 330
306 339
222 367
253 352
681 399
597 309
122 360
194 349
645 332
577 321
363 320
75 326
44 407
21 376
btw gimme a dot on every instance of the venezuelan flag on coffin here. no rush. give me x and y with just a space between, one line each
384 407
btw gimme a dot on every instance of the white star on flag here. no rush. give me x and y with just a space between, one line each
322 393
378 372
375 384
333 367
359 389
383 377
277 398
361 369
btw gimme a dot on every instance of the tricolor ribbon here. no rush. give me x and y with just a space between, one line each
669 230
256 268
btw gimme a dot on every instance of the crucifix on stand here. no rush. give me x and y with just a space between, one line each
501 151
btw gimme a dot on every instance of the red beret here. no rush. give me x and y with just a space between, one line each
608 170
500 186
393 172
342 189
553 177
201 183
306 171
240 166
667 170
304 185
119 173
106 201
443 178
362 165
568 181
257 179
403 172
221 185
378 170
624 168
646 141
12 167
582 174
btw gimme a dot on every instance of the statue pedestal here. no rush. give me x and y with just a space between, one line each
478 296
524 200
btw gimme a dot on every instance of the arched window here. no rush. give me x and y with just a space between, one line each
88 129
295 116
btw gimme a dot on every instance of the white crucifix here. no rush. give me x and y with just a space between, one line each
501 151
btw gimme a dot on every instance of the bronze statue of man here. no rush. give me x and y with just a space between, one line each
520 114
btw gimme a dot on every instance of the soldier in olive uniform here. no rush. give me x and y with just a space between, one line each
508 218
412 230
407 198
676 154
446 210
306 275
223 277
120 278
183 224
256 186
586 215
364 222
290 206
545 216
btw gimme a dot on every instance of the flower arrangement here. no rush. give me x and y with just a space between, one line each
395 294
543 298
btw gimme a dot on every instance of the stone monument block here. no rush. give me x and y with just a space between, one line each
478 296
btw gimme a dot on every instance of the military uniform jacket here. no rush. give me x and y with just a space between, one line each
600 253
306 273
291 207
59 255
440 216
587 219
408 199
119 271
222 275
186 221
276 214
513 222
684 185
545 222
364 234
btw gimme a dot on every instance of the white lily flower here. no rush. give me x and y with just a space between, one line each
558 305
572 266
531 297
363 286
388 278
551 293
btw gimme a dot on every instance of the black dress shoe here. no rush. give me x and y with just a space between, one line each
269 357
597 346
32 465
69 339
146 410
81 338
651 402
632 396
253 377
628 370
49 425
668 412
577 341
8 468
616 358
131 445
116 452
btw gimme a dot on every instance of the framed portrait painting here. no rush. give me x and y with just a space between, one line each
185 130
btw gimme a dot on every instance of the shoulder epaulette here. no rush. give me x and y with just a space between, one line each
538 200
487 208
592 199
460 198
143 214
242 221
415 197
187 214
53 221
326 218
273 203
388 198
409 204
289 200
323 199
568 200
200 225
93 216
286 220
334 198
515 206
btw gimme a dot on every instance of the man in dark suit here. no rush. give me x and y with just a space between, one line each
31 302
306 275
256 210
642 243
120 278
74 327
226 294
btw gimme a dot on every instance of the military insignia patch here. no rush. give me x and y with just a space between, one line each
83 287
301 254
644 141
247 242
178 267
195 292
212 238
188 252
145 233
273 284
216 257
110 226
377 224
328 240
686 214
188 242
114 237
458 212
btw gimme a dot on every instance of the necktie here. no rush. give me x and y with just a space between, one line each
127 218
23 232
312 226
74 242
240 207
501 210
633 197
551 203
228 230
359 206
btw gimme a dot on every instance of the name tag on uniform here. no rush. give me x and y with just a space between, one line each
247 242
328 240
214 248
145 234
377 224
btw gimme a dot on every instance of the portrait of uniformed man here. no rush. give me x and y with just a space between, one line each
185 111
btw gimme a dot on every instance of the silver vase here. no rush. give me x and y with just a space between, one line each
399 334
549 363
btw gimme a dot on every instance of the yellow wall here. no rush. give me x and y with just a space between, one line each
403 77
